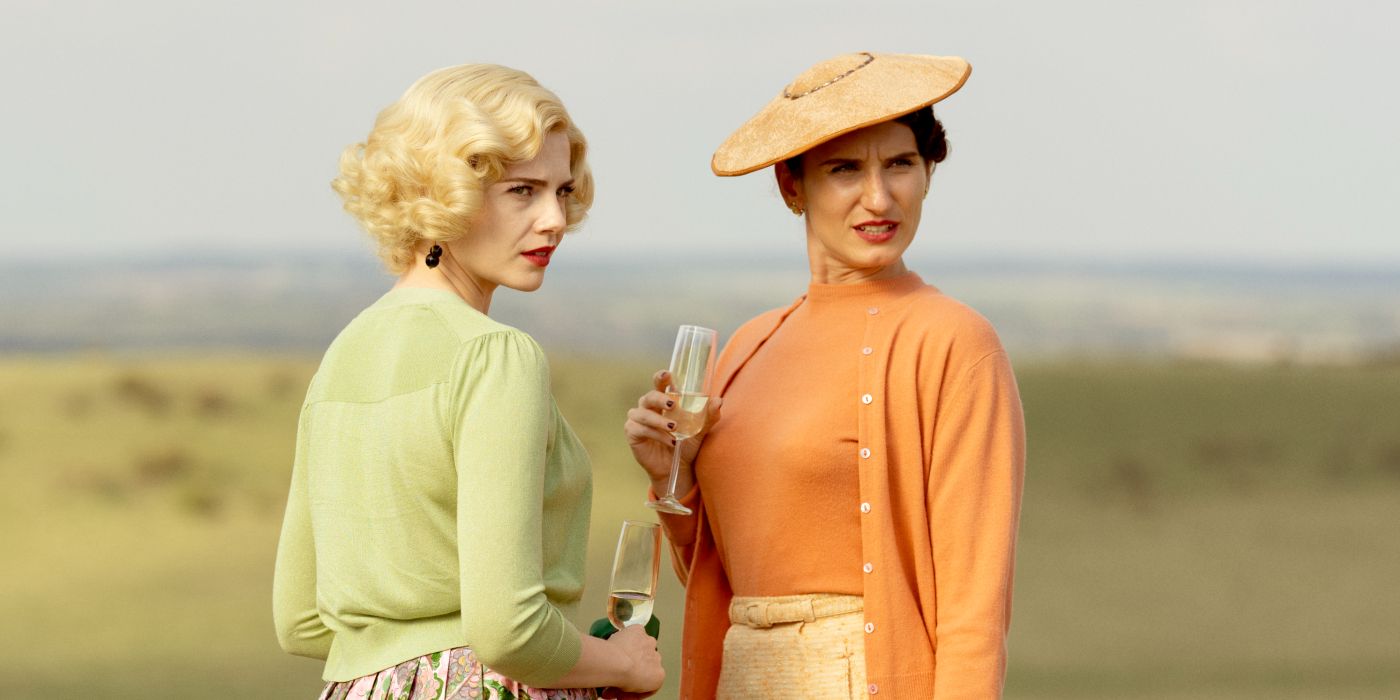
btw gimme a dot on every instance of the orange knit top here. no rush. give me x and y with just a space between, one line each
940 447
779 472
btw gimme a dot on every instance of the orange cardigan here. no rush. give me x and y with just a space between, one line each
940 502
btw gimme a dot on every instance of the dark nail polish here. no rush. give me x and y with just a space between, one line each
670 404
673 441
670 426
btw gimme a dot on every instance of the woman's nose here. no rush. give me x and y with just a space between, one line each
554 217
875 195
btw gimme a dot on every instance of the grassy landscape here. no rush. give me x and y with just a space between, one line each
1189 530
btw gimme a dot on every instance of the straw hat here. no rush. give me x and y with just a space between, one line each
834 97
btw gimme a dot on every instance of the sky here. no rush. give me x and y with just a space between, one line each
1195 131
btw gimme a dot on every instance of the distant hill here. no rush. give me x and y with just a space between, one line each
631 308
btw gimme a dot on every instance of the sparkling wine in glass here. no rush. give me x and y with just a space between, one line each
635 567
692 369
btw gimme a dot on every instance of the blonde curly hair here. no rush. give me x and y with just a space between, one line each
424 169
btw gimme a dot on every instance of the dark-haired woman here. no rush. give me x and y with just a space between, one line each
856 505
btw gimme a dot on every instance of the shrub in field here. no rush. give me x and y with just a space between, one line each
211 402
141 391
165 466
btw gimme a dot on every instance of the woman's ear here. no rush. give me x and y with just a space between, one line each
788 186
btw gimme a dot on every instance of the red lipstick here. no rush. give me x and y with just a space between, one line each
876 231
539 256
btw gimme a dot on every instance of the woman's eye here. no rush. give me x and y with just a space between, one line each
844 168
901 163
565 191
521 190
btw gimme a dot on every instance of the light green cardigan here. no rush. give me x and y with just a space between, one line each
438 499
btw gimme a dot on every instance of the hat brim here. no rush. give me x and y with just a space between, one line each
888 86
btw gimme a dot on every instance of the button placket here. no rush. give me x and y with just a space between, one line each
867 399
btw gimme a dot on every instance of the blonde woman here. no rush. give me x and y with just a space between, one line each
434 538
856 502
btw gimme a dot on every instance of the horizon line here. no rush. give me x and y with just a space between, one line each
796 261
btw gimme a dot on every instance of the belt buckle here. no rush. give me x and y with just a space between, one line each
756 614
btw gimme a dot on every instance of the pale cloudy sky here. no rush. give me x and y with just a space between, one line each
1187 130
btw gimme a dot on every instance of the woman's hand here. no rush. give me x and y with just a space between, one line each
651 443
645 675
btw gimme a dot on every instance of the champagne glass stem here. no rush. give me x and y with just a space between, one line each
675 470
668 502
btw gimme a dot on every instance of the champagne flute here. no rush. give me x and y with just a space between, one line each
633 589
692 368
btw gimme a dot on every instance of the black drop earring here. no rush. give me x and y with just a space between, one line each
434 256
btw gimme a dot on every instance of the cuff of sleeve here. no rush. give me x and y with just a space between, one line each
563 660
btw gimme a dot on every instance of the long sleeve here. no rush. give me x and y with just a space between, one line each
504 419
294 611
976 474
681 530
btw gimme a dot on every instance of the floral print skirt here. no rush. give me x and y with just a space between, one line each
454 674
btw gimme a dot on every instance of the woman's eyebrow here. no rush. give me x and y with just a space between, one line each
536 181
839 161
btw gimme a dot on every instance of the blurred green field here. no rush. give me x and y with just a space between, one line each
1189 531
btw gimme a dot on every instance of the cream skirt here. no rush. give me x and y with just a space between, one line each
810 646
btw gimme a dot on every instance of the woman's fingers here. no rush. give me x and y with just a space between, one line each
646 673
645 425
655 401
712 411
650 419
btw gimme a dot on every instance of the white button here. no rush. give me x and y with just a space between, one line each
867 399
865 453
866 351
870 629
874 689
873 310
865 507
868 567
